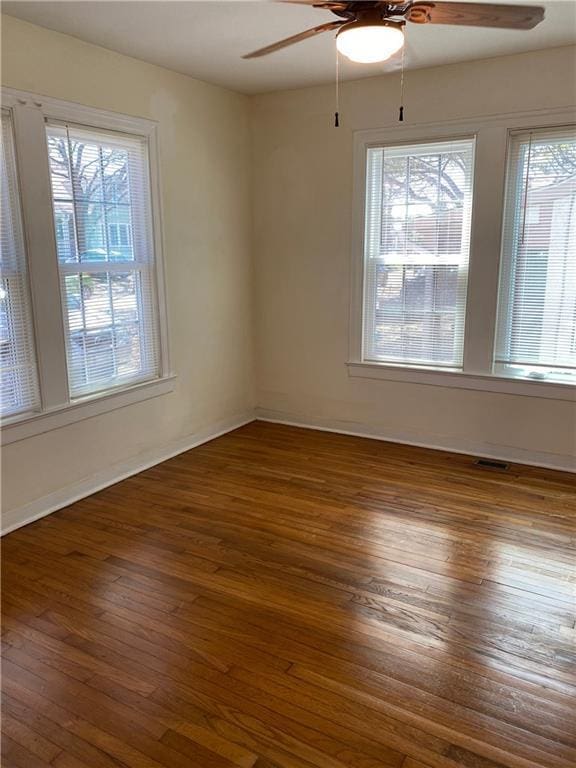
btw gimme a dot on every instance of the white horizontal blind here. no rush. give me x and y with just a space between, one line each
417 240
537 304
19 392
102 214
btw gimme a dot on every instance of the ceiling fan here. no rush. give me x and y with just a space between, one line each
372 31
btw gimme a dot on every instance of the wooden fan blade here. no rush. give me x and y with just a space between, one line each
317 3
346 5
477 14
294 39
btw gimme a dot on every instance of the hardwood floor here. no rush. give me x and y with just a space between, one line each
284 598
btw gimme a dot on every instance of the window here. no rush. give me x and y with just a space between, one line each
418 210
464 256
19 391
90 283
119 235
99 188
537 313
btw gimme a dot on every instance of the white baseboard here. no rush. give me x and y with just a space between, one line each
564 463
16 518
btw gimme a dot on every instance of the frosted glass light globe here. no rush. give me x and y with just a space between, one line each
369 43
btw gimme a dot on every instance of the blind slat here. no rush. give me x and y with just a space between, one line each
19 386
102 215
417 238
536 335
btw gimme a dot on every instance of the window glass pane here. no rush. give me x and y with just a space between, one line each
19 385
104 315
91 187
105 251
418 209
537 307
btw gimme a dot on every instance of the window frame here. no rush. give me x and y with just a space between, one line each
30 113
492 135
20 274
515 217
463 274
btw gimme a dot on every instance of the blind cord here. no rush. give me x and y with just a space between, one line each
337 113
401 111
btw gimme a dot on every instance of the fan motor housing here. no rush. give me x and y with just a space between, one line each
372 22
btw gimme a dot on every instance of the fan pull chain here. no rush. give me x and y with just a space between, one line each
401 111
337 112
525 207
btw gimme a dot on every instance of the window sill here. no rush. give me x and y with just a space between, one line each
479 382
28 425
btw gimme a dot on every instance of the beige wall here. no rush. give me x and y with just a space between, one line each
205 170
302 225
295 220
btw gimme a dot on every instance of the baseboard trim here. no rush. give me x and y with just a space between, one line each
560 462
28 513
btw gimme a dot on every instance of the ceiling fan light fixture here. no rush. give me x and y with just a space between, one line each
368 43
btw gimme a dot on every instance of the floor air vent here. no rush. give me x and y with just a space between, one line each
492 464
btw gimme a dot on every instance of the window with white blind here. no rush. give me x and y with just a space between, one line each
416 249
19 386
464 254
90 282
536 336
105 254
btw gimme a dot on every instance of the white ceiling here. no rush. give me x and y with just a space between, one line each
207 39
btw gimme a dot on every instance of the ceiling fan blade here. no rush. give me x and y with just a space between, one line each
477 14
294 39
317 3
340 6
343 3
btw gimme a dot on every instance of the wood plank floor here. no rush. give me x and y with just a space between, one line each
285 598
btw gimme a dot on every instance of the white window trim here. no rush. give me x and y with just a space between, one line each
57 410
478 382
492 134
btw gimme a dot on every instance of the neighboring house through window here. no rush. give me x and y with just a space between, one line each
537 315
